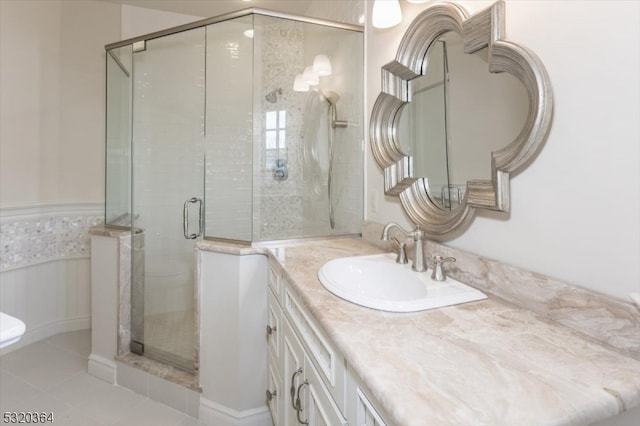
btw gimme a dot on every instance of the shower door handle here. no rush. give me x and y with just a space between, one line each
185 218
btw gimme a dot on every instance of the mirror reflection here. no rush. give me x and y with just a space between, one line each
458 114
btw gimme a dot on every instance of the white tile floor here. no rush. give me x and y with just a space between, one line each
51 376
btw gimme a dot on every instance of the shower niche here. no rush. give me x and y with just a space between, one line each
207 138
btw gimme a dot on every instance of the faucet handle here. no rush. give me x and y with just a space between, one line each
402 252
438 273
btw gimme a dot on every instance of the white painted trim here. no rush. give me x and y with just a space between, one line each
102 368
214 414
35 334
33 211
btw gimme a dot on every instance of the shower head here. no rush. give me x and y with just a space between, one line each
273 95
332 98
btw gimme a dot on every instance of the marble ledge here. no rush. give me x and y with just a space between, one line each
107 231
486 362
228 247
274 247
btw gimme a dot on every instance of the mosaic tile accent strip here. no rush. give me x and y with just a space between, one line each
44 237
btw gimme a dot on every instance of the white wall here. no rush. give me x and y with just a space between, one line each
575 212
137 21
52 104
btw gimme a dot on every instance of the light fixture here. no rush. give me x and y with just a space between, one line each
299 85
386 13
248 33
418 1
310 77
322 65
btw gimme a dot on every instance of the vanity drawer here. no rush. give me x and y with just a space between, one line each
276 396
328 361
321 408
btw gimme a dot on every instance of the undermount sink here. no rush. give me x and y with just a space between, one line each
379 282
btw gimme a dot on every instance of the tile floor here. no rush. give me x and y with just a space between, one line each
51 376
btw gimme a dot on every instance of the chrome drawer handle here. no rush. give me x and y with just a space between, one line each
299 403
292 390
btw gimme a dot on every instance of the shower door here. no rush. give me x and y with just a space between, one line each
167 194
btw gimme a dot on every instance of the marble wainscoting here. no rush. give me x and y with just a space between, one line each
45 267
601 317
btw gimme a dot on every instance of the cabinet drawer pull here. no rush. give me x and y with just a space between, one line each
271 330
299 403
271 395
292 390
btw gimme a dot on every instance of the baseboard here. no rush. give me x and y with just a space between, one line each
214 414
102 368
35 334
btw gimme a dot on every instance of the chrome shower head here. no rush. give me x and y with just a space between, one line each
272 96
332 98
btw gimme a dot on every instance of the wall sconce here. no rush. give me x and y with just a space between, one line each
322 65
299 85
386 13
418 1
310 77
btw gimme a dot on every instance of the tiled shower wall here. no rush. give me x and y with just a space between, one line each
244 201
44 269
278 204
229 111
298 206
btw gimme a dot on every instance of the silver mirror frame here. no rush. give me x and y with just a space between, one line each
485 29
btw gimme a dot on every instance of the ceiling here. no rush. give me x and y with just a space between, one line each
209 8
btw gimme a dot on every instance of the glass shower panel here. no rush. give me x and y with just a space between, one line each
229 158
118 137
168 171
308 173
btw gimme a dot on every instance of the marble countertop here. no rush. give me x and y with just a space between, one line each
488 362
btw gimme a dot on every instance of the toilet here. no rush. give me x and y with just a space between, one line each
11 329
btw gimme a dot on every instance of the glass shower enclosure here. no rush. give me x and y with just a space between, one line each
207 138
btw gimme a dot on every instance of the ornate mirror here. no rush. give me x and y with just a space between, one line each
461 109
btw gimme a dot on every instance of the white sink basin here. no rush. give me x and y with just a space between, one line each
378 282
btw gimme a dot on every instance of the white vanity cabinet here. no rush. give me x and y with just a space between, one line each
307 376
308 381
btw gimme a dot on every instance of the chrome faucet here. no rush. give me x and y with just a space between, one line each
418 235
438 272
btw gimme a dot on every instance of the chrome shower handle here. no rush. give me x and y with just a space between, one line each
185 218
